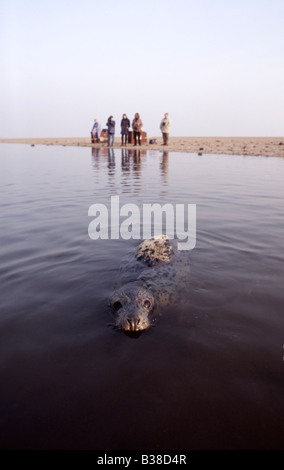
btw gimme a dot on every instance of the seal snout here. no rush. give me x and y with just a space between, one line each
134 323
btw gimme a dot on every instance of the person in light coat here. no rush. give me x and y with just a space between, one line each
137 126
165 128
96 131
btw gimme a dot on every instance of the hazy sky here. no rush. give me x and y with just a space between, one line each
217 66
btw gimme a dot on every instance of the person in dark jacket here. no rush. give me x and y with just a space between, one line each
137 125
110 131
125 125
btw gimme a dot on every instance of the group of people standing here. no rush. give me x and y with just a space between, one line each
137 126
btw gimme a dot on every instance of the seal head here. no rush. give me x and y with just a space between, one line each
132 305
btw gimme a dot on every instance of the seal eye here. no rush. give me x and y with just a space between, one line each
117 306
147 304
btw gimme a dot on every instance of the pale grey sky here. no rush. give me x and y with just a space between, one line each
215 65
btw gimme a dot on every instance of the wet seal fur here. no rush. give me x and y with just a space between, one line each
156 275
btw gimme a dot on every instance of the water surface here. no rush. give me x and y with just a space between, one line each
209 375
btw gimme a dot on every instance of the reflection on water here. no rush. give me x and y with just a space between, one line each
165 165
209 375
111 162
133 163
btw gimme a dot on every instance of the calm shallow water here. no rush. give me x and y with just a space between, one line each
210 375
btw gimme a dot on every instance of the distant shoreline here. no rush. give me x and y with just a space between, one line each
250 146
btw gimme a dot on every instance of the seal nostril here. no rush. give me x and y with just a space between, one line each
117 306
138 321
147 304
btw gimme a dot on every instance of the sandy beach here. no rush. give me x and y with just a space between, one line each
251 146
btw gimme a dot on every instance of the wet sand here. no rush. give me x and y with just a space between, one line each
253 146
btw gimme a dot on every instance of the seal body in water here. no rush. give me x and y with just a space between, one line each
156 275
